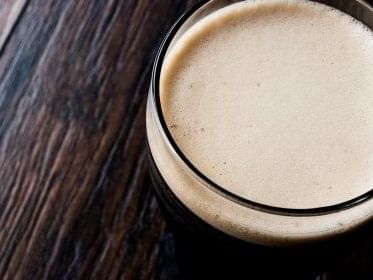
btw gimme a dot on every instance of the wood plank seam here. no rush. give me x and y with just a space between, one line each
12 21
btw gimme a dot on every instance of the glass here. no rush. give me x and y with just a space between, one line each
239 220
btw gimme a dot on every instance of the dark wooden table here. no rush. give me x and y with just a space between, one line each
75 196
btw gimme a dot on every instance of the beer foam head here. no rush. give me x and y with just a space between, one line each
273 101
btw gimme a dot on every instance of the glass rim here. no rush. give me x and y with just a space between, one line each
155 94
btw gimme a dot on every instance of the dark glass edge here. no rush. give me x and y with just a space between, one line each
318 211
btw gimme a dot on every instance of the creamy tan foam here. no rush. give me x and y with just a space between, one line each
272 100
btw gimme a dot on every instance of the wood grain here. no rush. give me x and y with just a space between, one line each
75 196
10 11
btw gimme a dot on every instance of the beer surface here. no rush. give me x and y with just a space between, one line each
273 101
